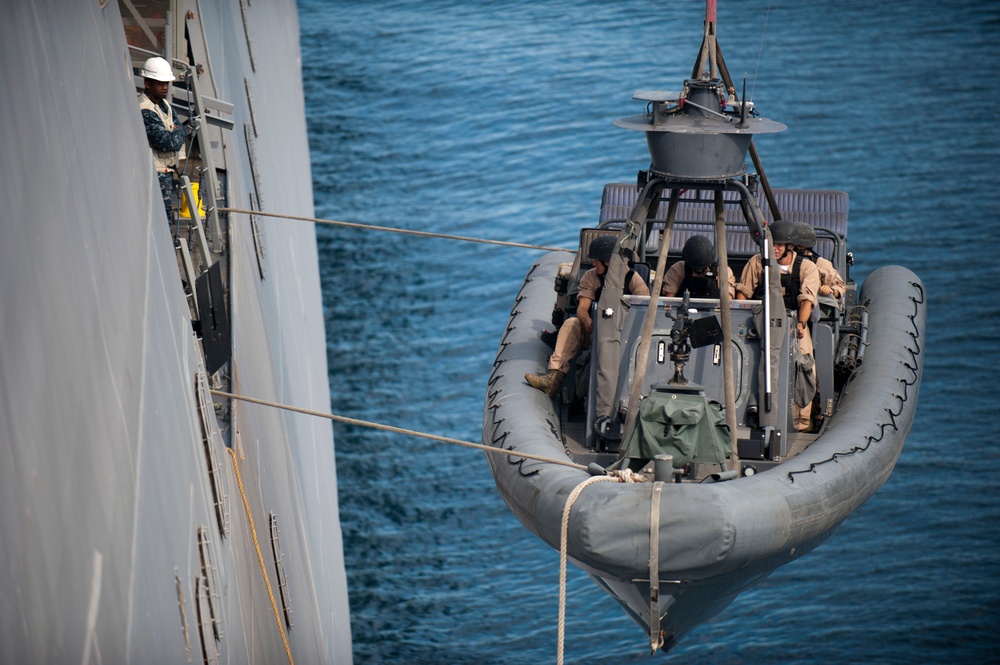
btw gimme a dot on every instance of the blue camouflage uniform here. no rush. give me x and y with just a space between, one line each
163 140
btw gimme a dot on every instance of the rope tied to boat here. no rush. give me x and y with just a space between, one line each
399 430
389 229
622 476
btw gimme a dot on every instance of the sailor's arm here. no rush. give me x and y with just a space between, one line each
672 280
730 282
752 273
808 289
160 138
583 312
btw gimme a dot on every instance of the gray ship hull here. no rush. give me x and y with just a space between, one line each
125 534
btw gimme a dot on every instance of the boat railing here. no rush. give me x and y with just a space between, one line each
701 304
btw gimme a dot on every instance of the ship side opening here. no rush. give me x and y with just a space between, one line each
200 177
204 180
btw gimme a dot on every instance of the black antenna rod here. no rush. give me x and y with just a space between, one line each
754 156
743 104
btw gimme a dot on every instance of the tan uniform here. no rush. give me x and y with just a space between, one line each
809 282
573 335
828 276
809 279
674 277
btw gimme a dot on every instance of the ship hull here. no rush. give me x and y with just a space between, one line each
126 532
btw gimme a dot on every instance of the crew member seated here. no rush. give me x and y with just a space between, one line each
831 285
696 272
575 331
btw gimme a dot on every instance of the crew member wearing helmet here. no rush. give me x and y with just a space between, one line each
830 282
575 331
799 283
694 273
164 131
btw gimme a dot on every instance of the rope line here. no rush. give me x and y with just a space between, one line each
260 558
373 227
564 546
397 430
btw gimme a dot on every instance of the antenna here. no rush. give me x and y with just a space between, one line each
743 104
760 51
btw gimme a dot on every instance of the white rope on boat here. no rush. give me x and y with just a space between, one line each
372 227
399 430
623 476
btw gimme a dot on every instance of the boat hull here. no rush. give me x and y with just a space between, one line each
715 540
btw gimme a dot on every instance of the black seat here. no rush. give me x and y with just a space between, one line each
643 270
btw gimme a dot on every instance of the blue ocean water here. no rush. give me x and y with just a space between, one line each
493 120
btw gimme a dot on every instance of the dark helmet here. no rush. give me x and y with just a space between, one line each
782 232
698 252
602 247
803 235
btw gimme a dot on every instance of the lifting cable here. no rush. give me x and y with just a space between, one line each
398 430
372 227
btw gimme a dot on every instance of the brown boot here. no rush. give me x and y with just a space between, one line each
548 383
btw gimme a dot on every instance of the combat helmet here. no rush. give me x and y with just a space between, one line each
602 247
698 252
803 235
782 232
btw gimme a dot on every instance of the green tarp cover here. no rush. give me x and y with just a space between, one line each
689 427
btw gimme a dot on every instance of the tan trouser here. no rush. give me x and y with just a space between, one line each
801 417
571 337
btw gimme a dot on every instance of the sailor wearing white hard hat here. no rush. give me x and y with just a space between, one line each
164 131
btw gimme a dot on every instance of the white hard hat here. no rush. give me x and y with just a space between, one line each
157 69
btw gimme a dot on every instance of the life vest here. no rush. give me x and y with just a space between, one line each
812 257
791 284
628 285
164 161
706 286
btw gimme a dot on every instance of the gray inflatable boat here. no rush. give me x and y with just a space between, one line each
684 525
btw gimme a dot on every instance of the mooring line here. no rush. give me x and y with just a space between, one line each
397 430
260 557
372 227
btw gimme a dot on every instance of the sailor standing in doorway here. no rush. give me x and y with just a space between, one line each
164 131
800 283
